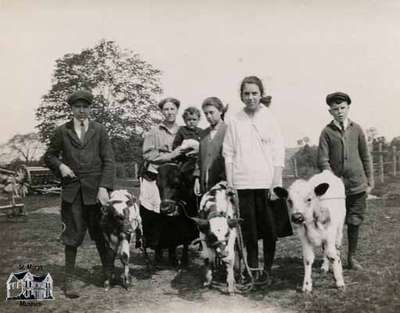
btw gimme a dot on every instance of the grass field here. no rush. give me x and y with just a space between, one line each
374 289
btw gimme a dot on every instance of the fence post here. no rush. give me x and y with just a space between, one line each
381 173
394 161
296 174
135 174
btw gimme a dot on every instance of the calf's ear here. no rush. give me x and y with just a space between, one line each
321 189
281 192
233 222
131 198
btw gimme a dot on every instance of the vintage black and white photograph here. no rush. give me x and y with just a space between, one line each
199 156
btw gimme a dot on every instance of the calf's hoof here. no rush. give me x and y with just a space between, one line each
231 290
340 286
125 282
307 288
207 284
107 284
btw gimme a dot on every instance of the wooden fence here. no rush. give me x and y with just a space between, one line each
386 163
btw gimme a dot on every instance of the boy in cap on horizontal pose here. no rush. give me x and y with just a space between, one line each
343 150
80 153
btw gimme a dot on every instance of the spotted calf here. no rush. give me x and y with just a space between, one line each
317 208
121 223
217 225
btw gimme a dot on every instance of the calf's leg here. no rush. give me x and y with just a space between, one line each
124 255
230 262
185 255
325 261
230 278
172 256
208 273
308 259
334 257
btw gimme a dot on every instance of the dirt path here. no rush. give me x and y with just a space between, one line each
35 240
164 290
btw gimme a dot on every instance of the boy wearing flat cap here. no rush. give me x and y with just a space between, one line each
343 150
80 153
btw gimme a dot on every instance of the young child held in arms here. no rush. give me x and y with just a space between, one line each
188 136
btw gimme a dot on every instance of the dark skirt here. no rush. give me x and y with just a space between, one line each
167 231
263 217
256 212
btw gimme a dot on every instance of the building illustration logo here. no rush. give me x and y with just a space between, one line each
24 286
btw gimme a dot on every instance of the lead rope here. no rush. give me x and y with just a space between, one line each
242 253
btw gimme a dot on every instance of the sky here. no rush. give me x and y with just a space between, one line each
301 49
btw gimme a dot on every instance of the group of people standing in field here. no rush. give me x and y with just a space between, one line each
247 152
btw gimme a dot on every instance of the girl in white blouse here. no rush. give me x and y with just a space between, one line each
254 157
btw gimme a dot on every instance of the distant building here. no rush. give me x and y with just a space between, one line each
26 286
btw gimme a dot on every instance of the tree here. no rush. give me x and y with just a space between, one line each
27 147
306 160
124 88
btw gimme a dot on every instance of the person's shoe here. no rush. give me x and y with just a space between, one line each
263 278
70 288
353 264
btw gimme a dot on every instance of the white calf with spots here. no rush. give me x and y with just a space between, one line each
317 210
217 225
121 222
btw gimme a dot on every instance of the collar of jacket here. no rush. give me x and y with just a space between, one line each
333 125
172 130
74 137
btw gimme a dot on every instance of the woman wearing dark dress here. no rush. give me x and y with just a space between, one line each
211 166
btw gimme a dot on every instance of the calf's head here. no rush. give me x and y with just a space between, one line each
303 200
217 231
169 184
123 209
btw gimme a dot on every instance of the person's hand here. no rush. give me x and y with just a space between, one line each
66 171
276 182
272 195
102 196
191 152
196 187
230 190
178 151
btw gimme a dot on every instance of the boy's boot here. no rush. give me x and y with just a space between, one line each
107 260
352 234
70 288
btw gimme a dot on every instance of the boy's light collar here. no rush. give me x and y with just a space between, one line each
345 123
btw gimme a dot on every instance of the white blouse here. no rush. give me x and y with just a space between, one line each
254 145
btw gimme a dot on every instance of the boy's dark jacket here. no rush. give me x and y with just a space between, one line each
346 154
91 161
